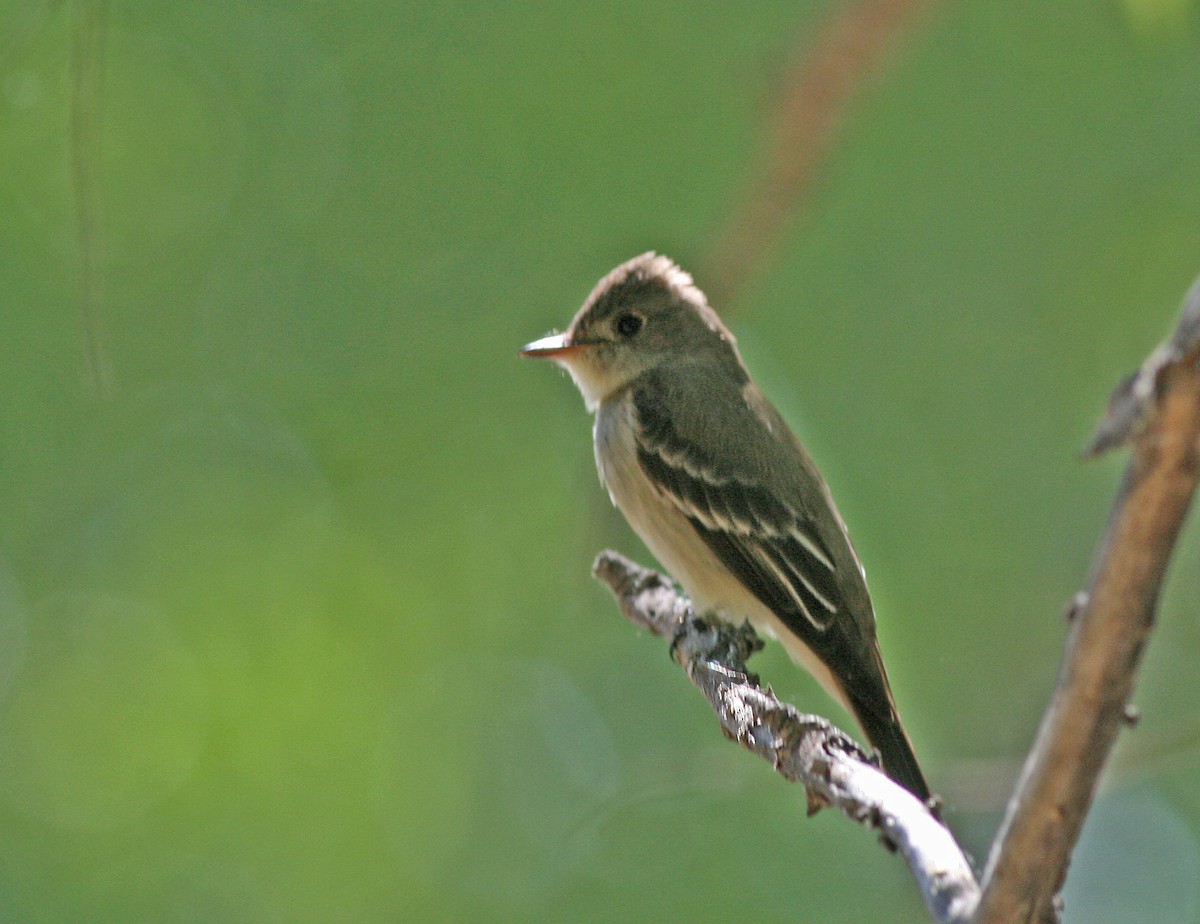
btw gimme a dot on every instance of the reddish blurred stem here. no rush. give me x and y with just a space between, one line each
87 108
854 46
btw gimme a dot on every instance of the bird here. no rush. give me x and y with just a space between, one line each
710 476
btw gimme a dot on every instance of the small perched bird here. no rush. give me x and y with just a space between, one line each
720 489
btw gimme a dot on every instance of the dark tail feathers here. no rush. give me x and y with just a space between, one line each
886 735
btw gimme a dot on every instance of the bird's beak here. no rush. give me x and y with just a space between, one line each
556 346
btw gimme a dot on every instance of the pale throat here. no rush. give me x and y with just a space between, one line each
595 384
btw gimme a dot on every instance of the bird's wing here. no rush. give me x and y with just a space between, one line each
757 500
767 539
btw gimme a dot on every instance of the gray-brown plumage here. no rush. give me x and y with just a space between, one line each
721 490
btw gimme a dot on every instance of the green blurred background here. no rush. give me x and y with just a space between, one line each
295 614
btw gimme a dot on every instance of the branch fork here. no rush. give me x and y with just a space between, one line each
1157 412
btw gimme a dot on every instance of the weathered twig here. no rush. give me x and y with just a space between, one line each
804 748
1158 411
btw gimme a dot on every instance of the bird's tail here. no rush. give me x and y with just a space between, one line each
887 735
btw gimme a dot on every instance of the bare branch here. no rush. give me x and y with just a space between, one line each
1158 411
803 748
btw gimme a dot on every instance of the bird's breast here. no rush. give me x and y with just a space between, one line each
659 522
673 540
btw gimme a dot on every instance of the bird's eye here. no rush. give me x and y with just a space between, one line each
629 324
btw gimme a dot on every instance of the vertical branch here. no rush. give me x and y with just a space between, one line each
87 109
1158 410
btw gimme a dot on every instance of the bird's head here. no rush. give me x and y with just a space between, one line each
644 313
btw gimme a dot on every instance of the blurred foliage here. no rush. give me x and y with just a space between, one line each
295 622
